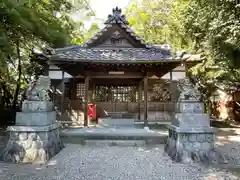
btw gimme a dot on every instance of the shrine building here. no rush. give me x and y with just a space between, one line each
120 73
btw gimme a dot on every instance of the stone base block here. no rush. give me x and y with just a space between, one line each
189 106
35 118
191 147
37 106
191 120
32 146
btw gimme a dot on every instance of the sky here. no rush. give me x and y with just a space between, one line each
104 7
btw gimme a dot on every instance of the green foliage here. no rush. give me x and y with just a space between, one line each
211 28
214 27
27 26
149 19
87 34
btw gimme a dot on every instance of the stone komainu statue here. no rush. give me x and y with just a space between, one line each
188 91
38 90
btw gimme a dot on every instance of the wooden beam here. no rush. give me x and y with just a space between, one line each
111 75
145 80
86 101
116 81
116 77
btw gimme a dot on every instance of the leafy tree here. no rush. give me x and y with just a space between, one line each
214 30
210 28
150 19
27 26
87 34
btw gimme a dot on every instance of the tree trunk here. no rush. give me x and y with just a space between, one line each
19 68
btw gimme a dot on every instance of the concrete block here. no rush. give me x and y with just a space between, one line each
190 107
35 118
37 106
191 120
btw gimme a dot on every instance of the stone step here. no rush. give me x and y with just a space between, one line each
130 115
120 115
110 140
121 143
77 136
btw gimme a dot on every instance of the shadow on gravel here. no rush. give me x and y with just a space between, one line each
228 143
224 124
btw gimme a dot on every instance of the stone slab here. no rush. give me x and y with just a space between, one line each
35 118
113 132
37 106
190 107
191 120
34 128
192 129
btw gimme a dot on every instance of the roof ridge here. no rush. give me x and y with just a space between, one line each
116 17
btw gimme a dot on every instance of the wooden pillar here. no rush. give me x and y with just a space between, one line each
46 69
139 99
74 88
93 92
145 101
86 101
90 94
186 69
63 93
170 75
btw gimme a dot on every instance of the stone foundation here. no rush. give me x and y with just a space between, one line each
32 144
193 147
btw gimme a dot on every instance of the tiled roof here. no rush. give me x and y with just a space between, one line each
117 18
79 53
89 52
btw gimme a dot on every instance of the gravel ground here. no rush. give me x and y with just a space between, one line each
101 162
228 143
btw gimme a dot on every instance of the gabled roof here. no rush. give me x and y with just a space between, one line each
117 18
92 52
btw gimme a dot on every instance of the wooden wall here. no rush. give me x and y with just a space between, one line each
74 107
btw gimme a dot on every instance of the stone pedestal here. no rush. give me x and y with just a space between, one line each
35 137
32 144
191 139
